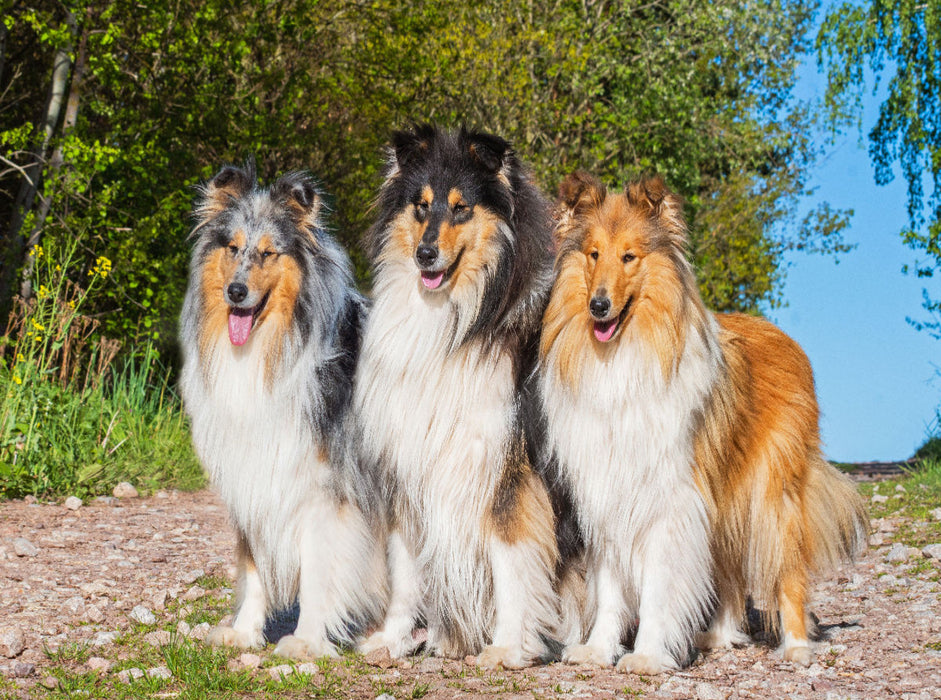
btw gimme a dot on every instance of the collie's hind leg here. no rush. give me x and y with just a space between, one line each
610 606
675 575
725 629
404 603
247 630
792 600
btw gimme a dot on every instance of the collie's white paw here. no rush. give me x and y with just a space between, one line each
399 646
799 655
225 636
721 638
298 649
586 655
645 664
507 657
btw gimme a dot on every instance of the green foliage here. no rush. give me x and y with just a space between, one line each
69 423
169 92
899 41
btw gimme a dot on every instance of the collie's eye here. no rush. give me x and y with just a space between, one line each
265 254
627 257
459 208
233 249
421 210
593 255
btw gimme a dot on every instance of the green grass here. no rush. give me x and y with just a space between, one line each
921 495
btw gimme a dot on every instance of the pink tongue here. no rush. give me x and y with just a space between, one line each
240 325
605 330
432 280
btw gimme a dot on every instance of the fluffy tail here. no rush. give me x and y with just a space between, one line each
836 517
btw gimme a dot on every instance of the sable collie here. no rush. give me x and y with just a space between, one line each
270 333
690 441
462 265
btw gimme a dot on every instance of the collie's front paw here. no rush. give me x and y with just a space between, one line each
645 664
586 655
225 636
399 646
298 649
721 638
799 655
507 657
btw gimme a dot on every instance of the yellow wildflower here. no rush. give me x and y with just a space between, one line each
36 252
17 379
72 304
37 325
102 267
42 292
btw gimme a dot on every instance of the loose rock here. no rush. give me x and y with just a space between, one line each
159 638
932 551
192 576
125 490
249 660
73 503
12 642
159 672
97 663
379 657
22 669
130 674
22 547
898 553
142 615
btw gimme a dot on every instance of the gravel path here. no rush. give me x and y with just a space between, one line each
80 576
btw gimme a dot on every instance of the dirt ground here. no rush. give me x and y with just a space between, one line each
77 576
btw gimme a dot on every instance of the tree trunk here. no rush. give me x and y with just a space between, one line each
15 243
55 163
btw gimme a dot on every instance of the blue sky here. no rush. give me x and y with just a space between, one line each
877 377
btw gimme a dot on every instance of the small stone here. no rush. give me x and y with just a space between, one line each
104 500
21 669
50 682
183 628
142 615
876 539
900 489
124 490
898 553
103 638
200 631
74 606
470 660
279 672
879 498
935 514
130 674
932 551
93 614
307 668
190 577
22 547
385 696
73 503
379 657
704 691
12 642
249 660
431 664
159 672
162 494
97 663
194 593
159 638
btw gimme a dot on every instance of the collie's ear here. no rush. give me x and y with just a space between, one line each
579 191
300 194
229 183
487 150
409 145
652 194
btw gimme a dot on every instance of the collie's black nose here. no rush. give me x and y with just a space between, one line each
237 292
426 255
599 307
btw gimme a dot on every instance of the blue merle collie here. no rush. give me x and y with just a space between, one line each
270 334
462 261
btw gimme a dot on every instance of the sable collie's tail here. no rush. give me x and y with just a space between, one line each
837 521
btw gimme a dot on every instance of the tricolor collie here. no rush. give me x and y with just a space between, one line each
462 268
690 441
270 334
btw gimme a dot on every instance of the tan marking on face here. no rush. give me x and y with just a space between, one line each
479 239
455 197
238 239
406 231
280 278
216 271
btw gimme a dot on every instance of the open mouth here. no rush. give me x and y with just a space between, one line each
242 321
435 279
605 330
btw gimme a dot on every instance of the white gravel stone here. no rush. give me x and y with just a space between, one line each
705 691
12 642
158 638
103 638
932 551
74 606
142 615
22 547
159 672
190 577
385 696
194 593
73 503
200 631
183 628
278 672
125 490
130 674
898 553
935 514
98 663
93 614
879 498
249 660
